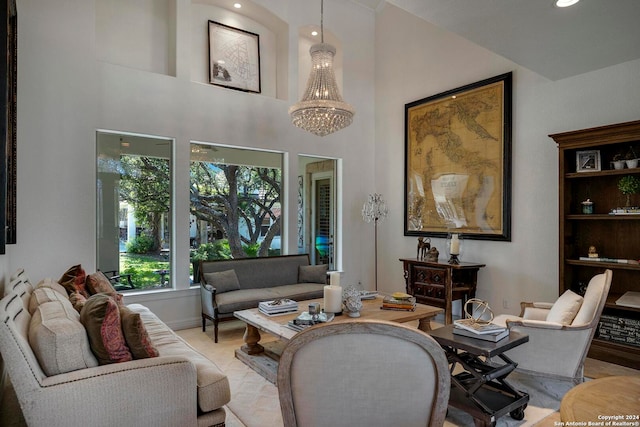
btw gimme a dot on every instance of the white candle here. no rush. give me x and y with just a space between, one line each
455 245
334 278
332 299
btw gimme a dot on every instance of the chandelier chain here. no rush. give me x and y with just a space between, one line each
321 21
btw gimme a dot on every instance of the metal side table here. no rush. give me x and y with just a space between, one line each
481 389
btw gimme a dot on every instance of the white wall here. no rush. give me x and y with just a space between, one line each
65 94
414 60
66 91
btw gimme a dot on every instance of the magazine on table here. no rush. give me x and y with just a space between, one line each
304 320
478 328
277 313
493 337
278 306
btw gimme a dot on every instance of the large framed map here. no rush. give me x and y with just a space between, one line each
458 162
234 58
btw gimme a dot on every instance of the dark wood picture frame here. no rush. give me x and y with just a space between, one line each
234 58
8 110
457 172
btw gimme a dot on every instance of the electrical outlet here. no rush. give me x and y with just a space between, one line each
505 303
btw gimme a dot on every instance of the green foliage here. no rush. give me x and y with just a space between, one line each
140 245
629 185
251 250
233 198
211 251
145 183
143 269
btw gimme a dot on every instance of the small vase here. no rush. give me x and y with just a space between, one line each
633 163
618 164
352 302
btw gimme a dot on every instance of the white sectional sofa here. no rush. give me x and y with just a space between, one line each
58 381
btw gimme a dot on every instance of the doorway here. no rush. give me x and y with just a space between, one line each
317 210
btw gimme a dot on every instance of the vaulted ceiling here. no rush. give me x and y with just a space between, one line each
554 42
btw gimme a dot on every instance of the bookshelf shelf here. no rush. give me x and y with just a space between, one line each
614 236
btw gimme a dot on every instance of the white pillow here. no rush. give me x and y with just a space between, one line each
565 308
58 339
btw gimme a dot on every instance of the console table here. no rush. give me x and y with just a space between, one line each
440 283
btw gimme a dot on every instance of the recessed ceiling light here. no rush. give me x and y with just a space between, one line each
566 3
237 5
314 33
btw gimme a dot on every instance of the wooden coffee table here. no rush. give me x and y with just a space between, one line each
263 358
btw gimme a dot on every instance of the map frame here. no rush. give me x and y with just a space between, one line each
450 145
234 58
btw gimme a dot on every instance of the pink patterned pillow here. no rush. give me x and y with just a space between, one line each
101 318
136 334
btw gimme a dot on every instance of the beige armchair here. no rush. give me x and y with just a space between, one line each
363 373
556 349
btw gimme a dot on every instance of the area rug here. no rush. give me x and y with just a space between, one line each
254 400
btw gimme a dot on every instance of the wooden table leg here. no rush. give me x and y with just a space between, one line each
251 339
424 324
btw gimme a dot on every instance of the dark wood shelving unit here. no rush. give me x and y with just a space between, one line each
614 236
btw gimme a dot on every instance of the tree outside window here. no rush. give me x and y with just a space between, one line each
235 202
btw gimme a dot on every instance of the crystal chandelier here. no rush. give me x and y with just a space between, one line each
321 110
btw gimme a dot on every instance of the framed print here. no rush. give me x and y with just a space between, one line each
234 58
588 161
458 162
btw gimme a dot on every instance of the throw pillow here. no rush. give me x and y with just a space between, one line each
74 280
98 283
49 283
58 339
101 318
135 334
313 273
42 295
77 301
223 281
565 308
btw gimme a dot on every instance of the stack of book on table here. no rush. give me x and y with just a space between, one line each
483 331
304 320
278 307
399 301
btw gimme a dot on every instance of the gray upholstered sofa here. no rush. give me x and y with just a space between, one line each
59 382
239 284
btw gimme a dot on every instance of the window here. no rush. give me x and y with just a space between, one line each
133 196
235 204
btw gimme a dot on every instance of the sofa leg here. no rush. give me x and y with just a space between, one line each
204 324
215 330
